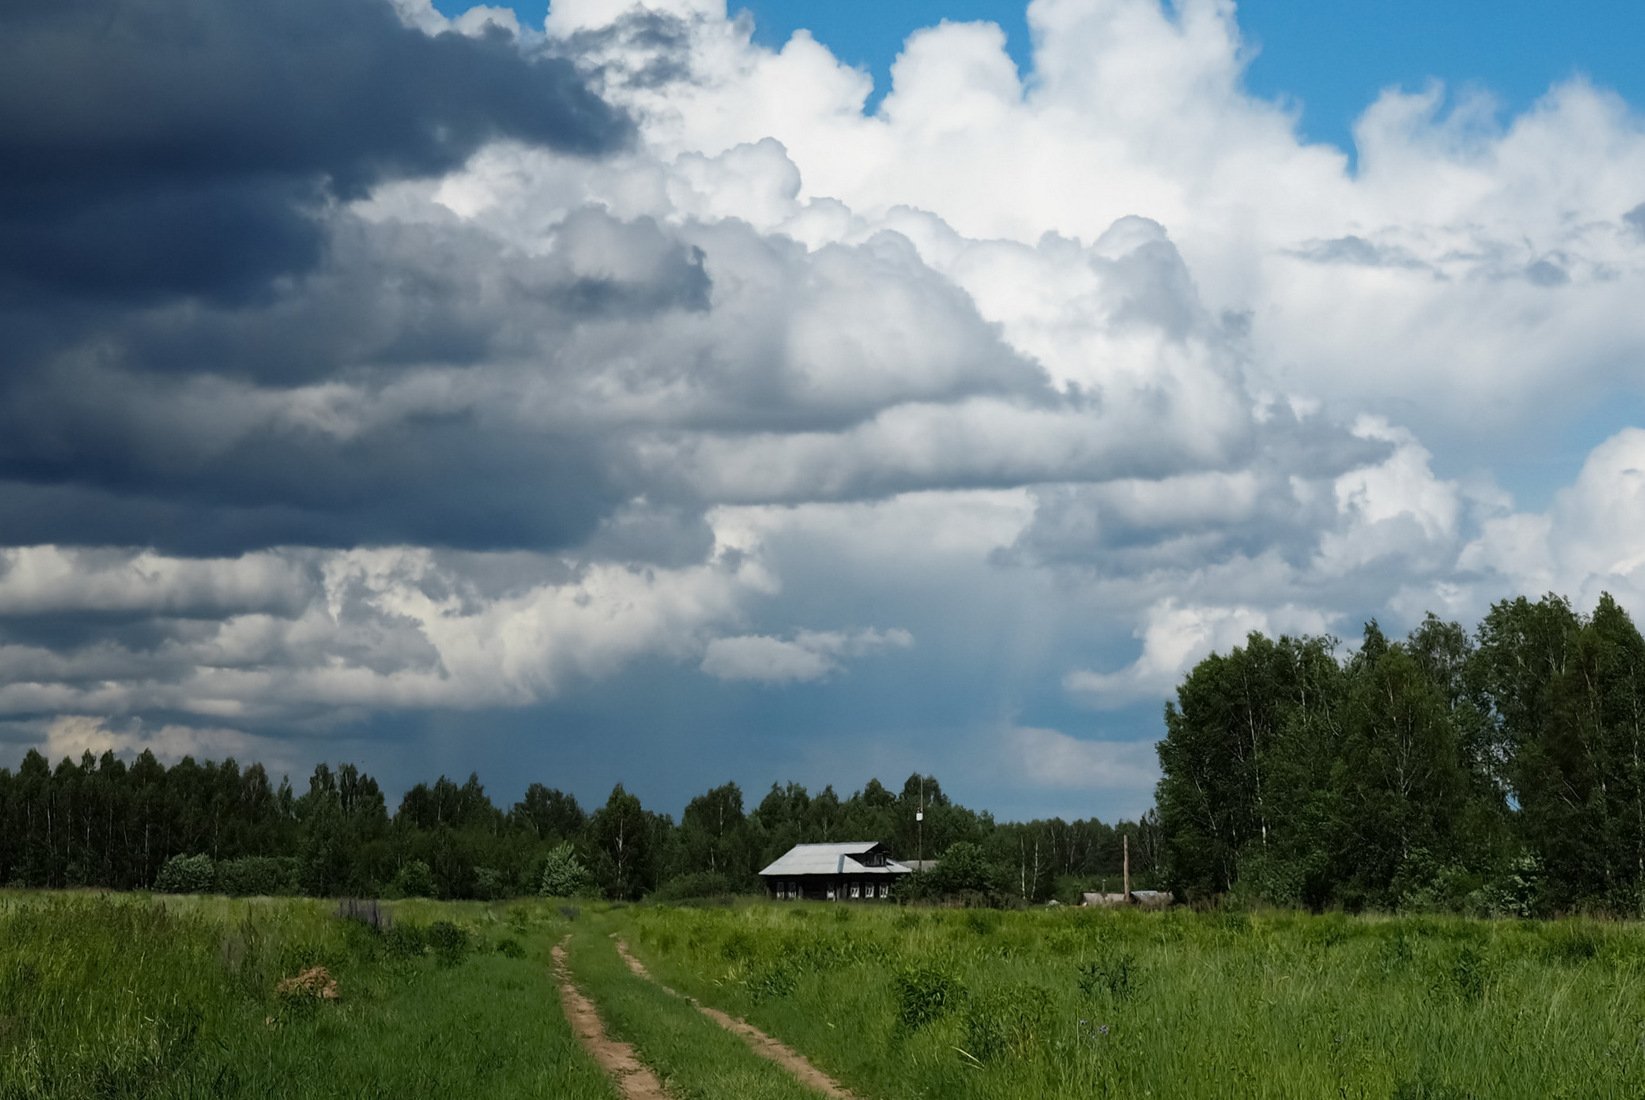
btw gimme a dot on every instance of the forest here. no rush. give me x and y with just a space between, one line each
1499 772
210 826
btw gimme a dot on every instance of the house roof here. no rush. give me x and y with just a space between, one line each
831 859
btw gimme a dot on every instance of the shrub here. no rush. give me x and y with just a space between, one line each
414 879
564 875
257 876
449 941
925 994
406 940
510 948
697 885
490 884
186 875
963 870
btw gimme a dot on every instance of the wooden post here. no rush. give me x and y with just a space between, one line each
1125 846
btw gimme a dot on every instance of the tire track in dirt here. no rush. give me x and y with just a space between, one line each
633 1078
761 1043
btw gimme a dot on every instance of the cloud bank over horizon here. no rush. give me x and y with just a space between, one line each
386 372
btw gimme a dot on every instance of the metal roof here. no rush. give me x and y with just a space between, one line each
831 859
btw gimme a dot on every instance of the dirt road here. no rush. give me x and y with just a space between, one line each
761 1043
617 1058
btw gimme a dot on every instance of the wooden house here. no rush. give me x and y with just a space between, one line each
855 870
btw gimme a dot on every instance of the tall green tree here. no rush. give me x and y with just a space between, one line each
714 835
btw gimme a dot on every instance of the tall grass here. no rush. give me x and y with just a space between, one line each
136 997
913 1003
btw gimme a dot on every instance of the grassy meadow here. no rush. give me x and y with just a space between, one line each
975 1003
131 996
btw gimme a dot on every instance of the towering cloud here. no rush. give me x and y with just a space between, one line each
365 363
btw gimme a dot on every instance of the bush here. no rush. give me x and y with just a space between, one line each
510 948
564 875
449 941
406 941
963 871
490 884
257 876
414 879
186 875
697 885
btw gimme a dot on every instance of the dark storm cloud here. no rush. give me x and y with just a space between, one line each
435 480
158 147
396 294
176 426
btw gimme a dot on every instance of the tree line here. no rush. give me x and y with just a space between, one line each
201 826
1498 771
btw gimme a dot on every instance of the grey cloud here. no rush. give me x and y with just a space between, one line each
430 385
1272 501
1547 273
181 430
642 49
1358 252
395 294
160 147
1635 219
1158 291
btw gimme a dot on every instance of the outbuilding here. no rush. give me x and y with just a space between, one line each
852 870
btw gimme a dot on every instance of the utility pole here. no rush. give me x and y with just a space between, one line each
919 823
1125 847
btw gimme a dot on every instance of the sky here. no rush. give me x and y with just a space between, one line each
672 394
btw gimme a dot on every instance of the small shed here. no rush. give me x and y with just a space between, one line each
853 870
1146 899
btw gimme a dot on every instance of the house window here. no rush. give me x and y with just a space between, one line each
856 889
885 889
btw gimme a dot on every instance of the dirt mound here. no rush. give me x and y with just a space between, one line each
313 984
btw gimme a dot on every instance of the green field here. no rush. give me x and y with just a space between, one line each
128 996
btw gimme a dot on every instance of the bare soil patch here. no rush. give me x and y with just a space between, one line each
761 1043
633 1077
